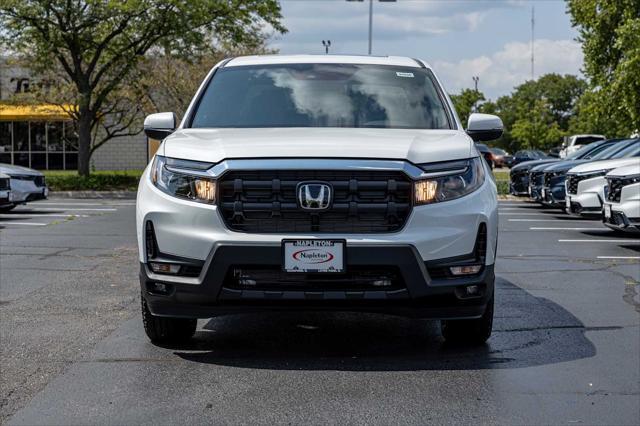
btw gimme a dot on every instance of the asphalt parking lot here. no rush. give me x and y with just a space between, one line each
565 348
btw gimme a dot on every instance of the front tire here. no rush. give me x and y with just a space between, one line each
473 331
166 329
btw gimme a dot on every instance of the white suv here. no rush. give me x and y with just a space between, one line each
621 209
318 183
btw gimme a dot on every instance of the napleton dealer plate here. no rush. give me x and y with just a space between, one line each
313 256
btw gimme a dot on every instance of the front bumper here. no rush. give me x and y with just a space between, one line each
5 198
214 293
553 196
625 214
23 191
588 197
620 222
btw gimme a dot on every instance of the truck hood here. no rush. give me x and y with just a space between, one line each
563 166
605 165
528 165
10 169
631 170
417 146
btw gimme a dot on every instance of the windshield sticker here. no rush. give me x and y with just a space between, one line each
404 74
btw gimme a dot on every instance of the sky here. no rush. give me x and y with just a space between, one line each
460 39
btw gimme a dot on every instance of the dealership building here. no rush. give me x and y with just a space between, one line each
44 138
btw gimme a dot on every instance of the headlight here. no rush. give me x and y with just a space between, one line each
596 173
184 179
449 181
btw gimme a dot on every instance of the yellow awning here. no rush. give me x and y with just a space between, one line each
42 112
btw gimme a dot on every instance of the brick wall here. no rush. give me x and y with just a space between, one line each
124 153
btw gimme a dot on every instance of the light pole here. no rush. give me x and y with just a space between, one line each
476 79
371 19
326 45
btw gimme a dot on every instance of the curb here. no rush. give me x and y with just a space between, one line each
122 195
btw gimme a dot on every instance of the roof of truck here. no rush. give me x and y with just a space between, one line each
326 59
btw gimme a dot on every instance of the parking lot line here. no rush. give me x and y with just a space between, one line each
8 215
619 241
549 220
542 228
74 209
86 204
23 223
618 257
527 214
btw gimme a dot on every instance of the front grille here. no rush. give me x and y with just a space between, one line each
520 180
4 184
265 201
616 184
615 189
546 179
536 178
572 183
266 278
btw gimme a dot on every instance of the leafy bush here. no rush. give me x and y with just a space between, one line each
98 181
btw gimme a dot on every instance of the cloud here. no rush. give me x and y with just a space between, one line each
501 71
311 21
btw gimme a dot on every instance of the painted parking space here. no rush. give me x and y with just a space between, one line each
57 211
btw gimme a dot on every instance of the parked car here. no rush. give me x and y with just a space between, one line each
5 191
262 198
486 153
529 155
575 142
553 189
555 151
621 207
585 183
500 157
519 175
538 178
26 185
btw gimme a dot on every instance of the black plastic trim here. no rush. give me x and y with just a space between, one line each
423 297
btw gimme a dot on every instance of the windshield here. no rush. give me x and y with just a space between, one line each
322 95
591 149
612 150
583 140
630 151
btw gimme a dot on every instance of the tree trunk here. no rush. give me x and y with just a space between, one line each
84 138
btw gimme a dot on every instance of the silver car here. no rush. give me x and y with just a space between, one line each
25 185
5 191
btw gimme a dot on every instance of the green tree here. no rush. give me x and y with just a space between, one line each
98 45
466 102
539 129
610 34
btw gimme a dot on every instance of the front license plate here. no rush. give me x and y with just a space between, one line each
544 193
568 203
313 255
607 211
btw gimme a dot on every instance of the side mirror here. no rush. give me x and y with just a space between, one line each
484 127
159 126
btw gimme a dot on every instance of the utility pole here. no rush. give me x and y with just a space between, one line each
326 45
475 83
371 19
533 23
370 25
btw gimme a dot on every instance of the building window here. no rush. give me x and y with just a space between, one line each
42 145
